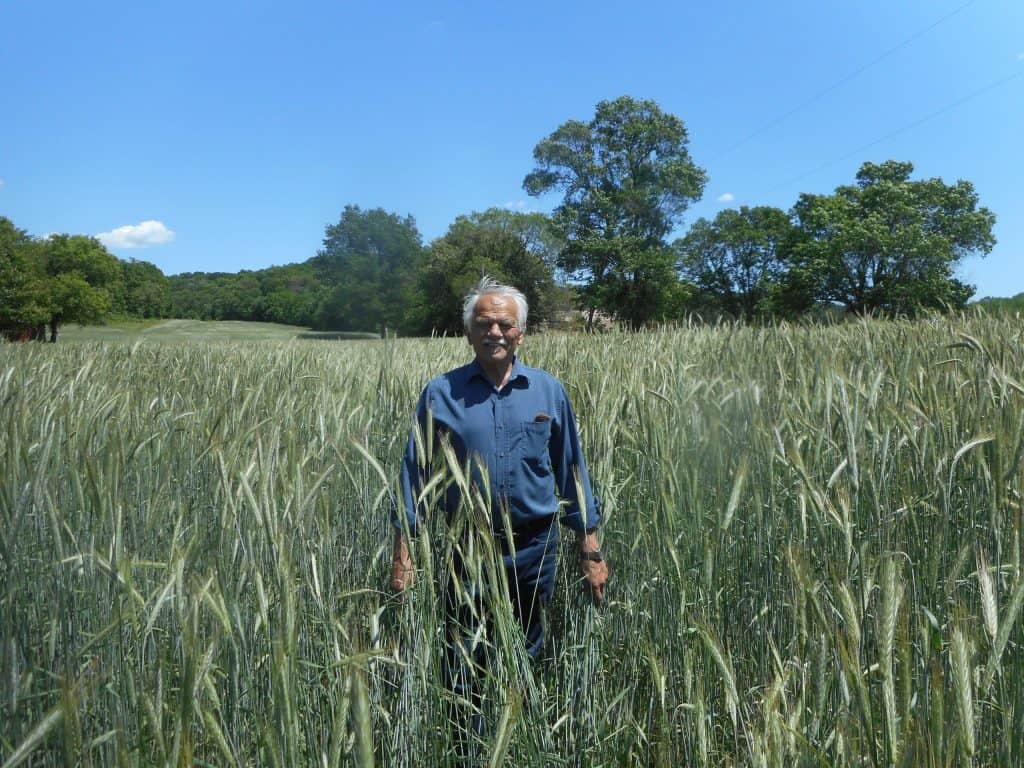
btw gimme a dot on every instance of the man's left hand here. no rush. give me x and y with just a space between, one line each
595 576
595 572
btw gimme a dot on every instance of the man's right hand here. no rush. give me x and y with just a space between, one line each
403 572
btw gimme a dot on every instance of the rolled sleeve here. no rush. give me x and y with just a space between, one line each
582 509
406 512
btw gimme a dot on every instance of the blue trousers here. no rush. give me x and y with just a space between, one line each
531 577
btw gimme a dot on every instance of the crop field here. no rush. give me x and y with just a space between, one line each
192 331
814 537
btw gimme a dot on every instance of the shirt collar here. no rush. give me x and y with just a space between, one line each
519 377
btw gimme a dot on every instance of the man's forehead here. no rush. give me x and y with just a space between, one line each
494 304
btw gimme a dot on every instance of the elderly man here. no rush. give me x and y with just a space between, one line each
515 422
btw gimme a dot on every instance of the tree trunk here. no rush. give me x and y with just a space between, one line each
53 331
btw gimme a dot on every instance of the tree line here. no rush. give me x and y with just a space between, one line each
886 243
374 273
47 282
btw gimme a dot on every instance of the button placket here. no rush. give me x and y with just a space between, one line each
502 442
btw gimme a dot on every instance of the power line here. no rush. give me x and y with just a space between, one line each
903 129
842 81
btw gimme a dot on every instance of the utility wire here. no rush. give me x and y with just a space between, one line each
841 81
903 129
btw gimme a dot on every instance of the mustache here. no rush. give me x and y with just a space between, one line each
496 343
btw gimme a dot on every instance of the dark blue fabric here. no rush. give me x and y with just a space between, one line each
524 454
523 436
466 660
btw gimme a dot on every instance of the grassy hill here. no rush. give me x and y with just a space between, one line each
196 330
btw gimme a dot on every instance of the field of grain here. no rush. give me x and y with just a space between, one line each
814 537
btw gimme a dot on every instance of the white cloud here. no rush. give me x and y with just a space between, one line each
2 182
728 197
141 235
519 206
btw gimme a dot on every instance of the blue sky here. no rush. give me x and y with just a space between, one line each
224 136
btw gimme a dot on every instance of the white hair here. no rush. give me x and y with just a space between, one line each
488 286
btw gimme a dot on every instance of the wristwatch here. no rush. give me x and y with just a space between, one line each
594 557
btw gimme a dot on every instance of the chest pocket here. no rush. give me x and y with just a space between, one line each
536 437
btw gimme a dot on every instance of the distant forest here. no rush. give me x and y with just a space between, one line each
885 244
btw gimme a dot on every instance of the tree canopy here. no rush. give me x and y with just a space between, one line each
738 261
508 246
887 243
56 280
890 244
289 294
626 177
146 290
369 258
24 293
84 279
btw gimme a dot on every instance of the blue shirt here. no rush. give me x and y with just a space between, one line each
523 434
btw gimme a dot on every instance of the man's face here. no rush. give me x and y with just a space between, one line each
494 331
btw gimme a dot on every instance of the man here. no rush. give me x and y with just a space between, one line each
516 423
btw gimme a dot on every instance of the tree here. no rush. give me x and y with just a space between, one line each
495 243
216 295
287 294
237 297
536 231
739 260
890 244
291 294
370 259
24 296
146 290
84 278
192 294
626 179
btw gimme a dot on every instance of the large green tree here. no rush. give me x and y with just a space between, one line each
738 261
538 233
508 246
891 244
24 293
626 177
84 278
369 259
